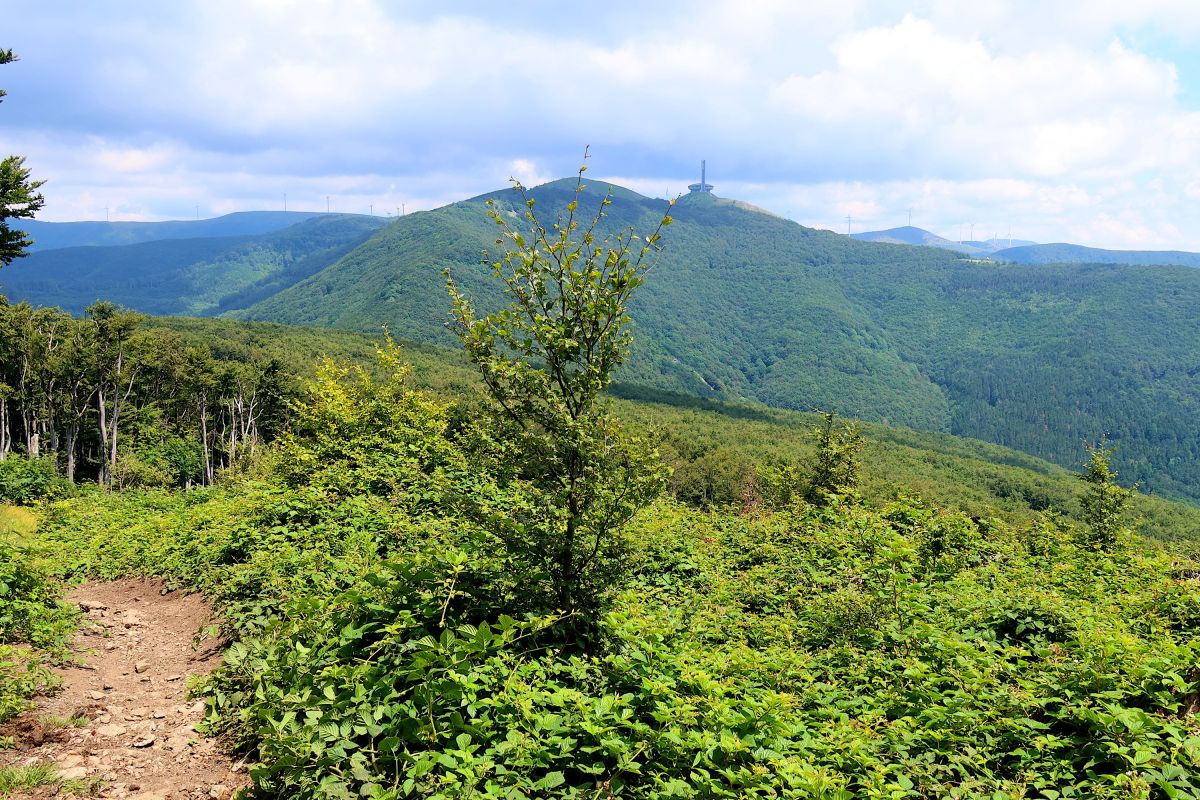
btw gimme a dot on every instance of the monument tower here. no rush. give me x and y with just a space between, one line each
702 186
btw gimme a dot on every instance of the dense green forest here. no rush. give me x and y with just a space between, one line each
511 584
114 398
191 376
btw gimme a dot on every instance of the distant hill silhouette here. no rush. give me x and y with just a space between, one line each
1078 254
199 276
909 234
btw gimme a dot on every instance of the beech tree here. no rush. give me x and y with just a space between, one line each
1105 503
19 196
835 463
545 359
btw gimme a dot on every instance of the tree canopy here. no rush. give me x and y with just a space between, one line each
545 359
19 196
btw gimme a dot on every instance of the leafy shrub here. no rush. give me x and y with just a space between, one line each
133 472
24 480
30 614
30 607
176 462
1028 622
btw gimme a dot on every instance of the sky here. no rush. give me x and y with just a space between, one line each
1048 121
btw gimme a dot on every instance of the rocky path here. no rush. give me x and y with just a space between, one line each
133 732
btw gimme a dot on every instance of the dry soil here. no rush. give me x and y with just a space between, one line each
137 649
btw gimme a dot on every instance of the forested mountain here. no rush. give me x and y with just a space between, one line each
54 235
748 305
1077 254
745 305
200 276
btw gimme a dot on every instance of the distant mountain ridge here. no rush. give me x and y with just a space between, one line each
1019 251
909 234
1060 253
200 276
56 235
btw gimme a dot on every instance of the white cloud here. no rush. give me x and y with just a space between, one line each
1046 113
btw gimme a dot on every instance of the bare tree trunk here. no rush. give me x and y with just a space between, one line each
5 435
204 443
102 408
72 435
118 405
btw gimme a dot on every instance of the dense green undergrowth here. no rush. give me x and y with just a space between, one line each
385 644
34 622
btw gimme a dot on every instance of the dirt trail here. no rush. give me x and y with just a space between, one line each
136 649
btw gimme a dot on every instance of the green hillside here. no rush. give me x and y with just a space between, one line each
717 451
746 305
186 276
707 323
